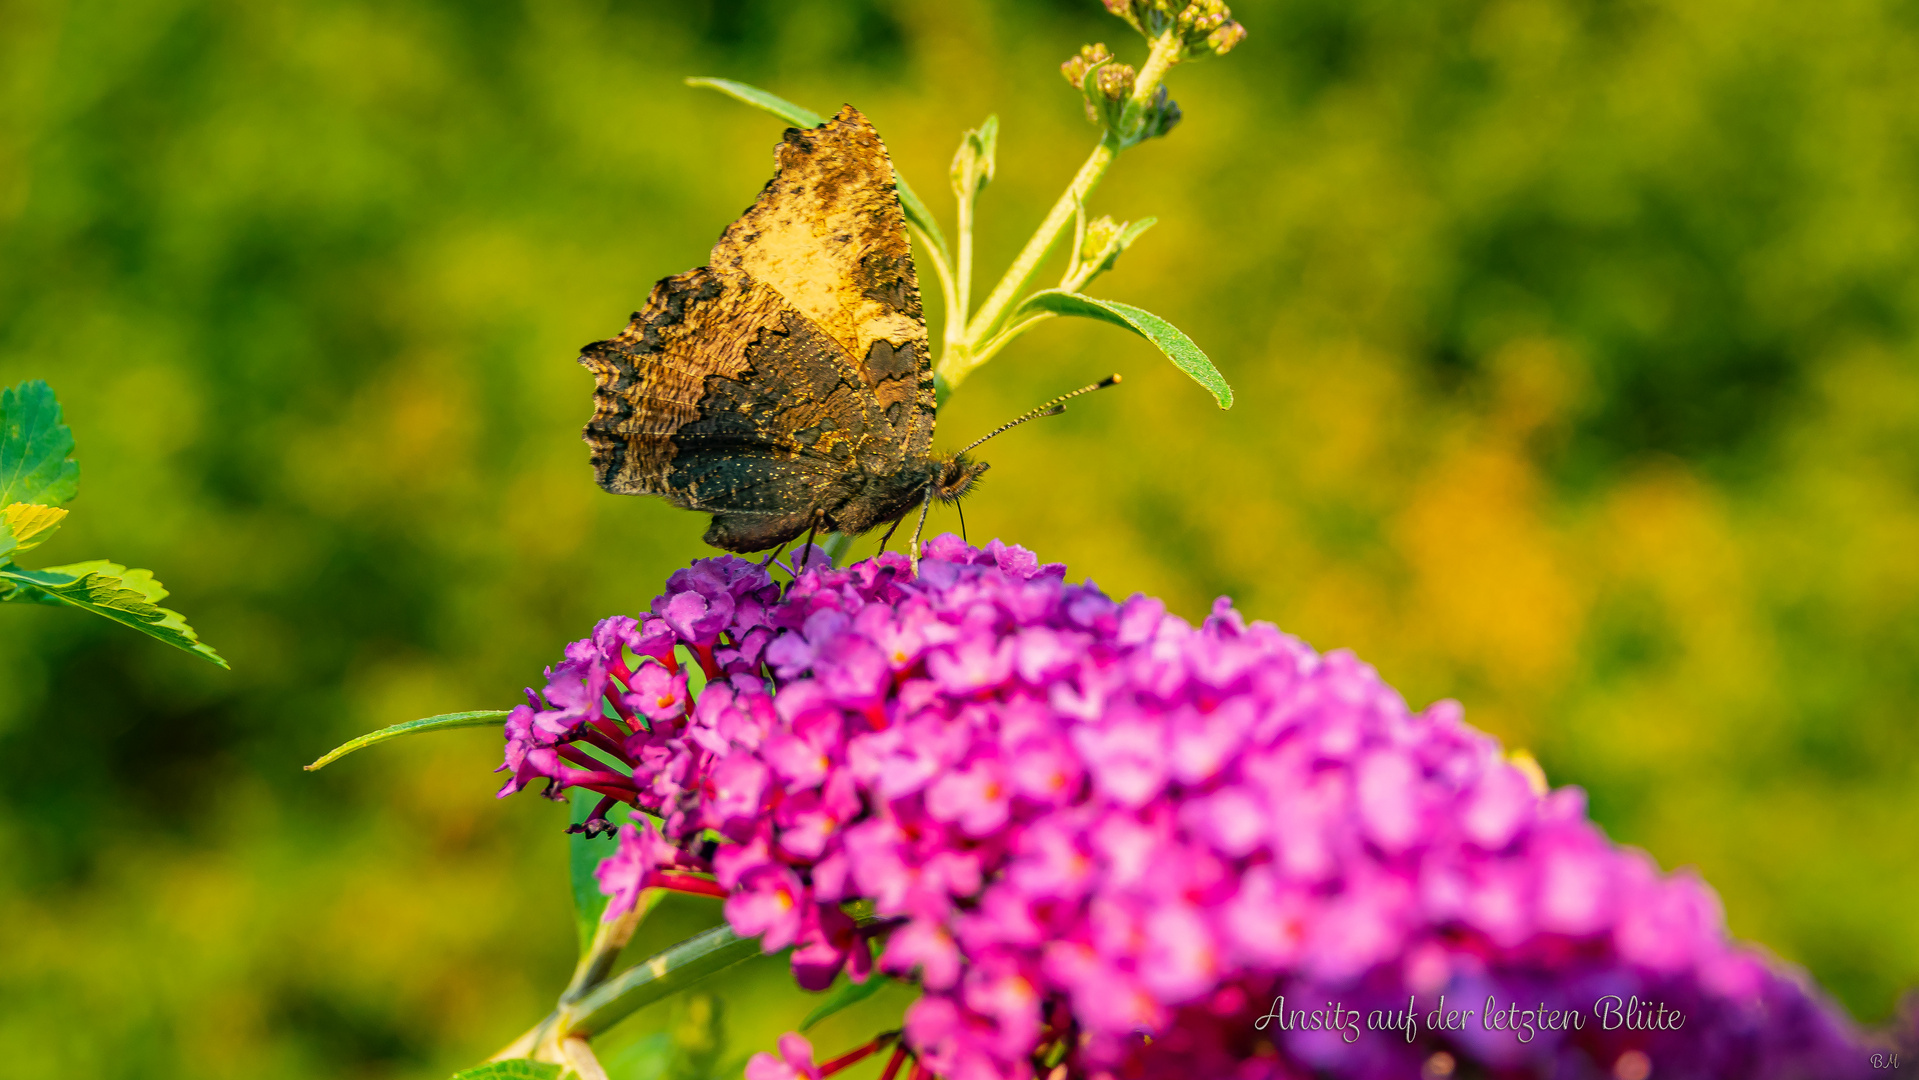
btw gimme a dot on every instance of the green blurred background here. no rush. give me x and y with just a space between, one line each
1574 343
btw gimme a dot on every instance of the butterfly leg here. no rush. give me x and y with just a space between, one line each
806 552
889 530
774 554
921 528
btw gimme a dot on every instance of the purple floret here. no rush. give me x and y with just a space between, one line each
1103 838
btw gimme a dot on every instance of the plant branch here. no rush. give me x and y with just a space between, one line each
957 363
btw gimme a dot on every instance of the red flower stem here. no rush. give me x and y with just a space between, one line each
619 706
893 1066
607 741
599 779
592 764
853 1057
685 883
600 808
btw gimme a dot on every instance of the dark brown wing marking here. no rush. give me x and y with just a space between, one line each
790 375
828 234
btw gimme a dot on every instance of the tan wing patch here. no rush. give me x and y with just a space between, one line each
649 379
827 232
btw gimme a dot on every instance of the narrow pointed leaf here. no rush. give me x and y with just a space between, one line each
36 463
583 857
482 718
516 1069
917 215
30 524
844 995
1176 345
796 115
128 597
1129 234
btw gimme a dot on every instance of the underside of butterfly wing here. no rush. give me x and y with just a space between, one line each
828 234
789 379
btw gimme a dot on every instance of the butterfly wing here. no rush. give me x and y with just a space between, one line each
767 387
828 234
720 397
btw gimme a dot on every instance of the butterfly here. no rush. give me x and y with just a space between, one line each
786 386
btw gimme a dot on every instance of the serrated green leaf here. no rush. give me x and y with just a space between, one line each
1176 345
479 718
583 857
36 463
845 994
516 1069
29 525
916 213
128 597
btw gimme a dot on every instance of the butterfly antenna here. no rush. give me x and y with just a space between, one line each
1051 408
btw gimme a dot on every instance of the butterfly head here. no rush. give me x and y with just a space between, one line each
955 476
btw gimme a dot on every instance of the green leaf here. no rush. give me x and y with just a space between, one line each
481 718
583 857
796 115
29 524
919 217
916 213
515 1069
1177 346
128 597
844 995
36 463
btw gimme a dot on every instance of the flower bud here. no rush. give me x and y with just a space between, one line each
1090 57
973 162
1100 234
1159 117
1116 81
1101 245
1105 89
1206 28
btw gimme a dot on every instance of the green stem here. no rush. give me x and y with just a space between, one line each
957 365
959 362
963 275
666 973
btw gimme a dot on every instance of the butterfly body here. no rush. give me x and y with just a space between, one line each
787 385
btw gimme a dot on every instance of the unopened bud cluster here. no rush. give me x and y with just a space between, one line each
1203 27
1107 85
1090 57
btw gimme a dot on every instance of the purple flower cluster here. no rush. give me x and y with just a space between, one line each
1108 842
